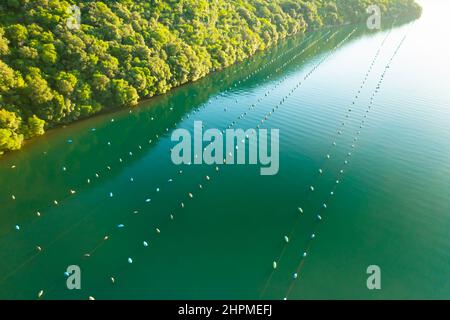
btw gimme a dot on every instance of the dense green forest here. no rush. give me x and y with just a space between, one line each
55 71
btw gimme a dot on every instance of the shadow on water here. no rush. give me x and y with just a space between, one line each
109 145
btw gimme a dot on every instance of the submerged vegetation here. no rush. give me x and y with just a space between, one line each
128 50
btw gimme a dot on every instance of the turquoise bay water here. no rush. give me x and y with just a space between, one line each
391 207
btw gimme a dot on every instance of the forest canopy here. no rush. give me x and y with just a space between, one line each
53 71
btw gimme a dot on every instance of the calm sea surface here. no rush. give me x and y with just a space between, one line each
92 193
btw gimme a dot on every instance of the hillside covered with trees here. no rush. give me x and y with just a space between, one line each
54 72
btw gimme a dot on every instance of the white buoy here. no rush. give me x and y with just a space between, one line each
111 195
13 197
130 260
91 298
274 265
148 200
40 294
319 217
300 210
113 280
38 213
286 239
158 231
304 254
17 227
295 275
121 225
145 243
312 188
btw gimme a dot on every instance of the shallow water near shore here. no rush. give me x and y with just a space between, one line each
91 193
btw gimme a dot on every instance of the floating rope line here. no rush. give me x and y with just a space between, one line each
144 243
321 170
308 247
158 231
244 114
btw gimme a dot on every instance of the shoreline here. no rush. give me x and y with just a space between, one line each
407 18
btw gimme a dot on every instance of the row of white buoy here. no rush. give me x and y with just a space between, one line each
191 196
298 269
286 238
308 74
182 205
270 113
